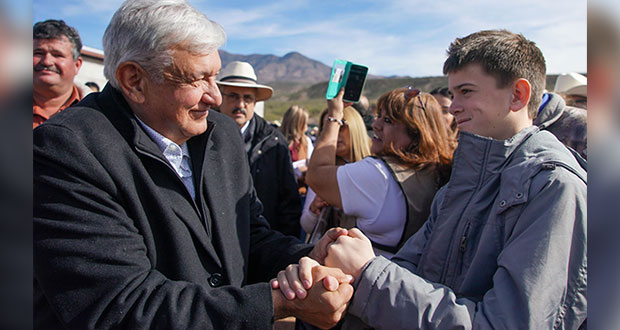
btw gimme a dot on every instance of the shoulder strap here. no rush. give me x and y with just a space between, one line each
551 165
582 162
414 186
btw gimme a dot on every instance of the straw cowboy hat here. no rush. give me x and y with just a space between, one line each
241 74
572 84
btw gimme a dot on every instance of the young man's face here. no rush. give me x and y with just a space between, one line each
479 106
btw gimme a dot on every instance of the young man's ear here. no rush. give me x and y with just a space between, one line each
132 81
521 93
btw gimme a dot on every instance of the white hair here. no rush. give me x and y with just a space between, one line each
147 31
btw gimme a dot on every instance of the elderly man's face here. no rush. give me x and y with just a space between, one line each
53 65
238 103
178 107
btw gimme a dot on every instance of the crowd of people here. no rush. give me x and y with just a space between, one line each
164 202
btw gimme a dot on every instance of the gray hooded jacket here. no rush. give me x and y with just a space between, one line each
568 124
503 248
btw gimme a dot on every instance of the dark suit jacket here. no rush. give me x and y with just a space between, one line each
274 178
120 243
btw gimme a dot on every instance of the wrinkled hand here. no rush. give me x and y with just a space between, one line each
317 205
319 252
350 253
322 308
297 278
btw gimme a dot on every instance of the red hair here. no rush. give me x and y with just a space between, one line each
432 143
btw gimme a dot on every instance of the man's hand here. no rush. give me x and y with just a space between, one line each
295 280
350 253
322 308
319 252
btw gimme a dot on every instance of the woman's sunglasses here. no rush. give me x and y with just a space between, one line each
412 92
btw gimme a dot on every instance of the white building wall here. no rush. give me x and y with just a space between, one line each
91 70
92 67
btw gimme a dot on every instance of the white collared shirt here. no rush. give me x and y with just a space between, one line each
177 156
245 127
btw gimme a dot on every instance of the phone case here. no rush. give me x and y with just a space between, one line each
356 79
341 77
338 78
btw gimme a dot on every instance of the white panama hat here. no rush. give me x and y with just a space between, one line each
241 74
572 84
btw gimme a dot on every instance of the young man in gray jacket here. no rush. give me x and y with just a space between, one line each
505 244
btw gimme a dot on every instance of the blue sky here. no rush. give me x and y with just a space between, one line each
391 37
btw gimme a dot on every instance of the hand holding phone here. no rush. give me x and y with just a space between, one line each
349 75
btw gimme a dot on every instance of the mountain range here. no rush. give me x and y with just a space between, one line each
292 67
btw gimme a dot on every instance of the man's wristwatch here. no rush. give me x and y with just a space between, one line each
340 122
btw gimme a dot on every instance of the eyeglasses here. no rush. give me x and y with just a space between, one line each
414 92
247 99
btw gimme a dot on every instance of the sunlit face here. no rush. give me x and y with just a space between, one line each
445 103
343 148
178 109
386 132
238 103
53 65
479 105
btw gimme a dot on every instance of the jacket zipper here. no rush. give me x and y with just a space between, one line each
463 248
458 268
463 242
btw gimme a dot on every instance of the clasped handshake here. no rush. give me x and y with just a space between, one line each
336 261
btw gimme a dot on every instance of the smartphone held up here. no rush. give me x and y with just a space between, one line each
349 75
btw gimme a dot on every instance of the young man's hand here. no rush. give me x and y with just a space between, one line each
350 253
319 252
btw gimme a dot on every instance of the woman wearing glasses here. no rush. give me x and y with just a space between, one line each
390 194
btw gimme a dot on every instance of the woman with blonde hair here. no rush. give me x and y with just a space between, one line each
390 194
294 127
352 145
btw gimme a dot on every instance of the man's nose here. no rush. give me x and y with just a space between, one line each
47 59
455 107
212 96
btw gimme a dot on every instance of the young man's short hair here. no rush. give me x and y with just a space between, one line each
506 55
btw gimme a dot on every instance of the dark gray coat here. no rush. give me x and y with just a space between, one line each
568 124
120 243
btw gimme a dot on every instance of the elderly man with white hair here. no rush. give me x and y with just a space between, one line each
145 216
